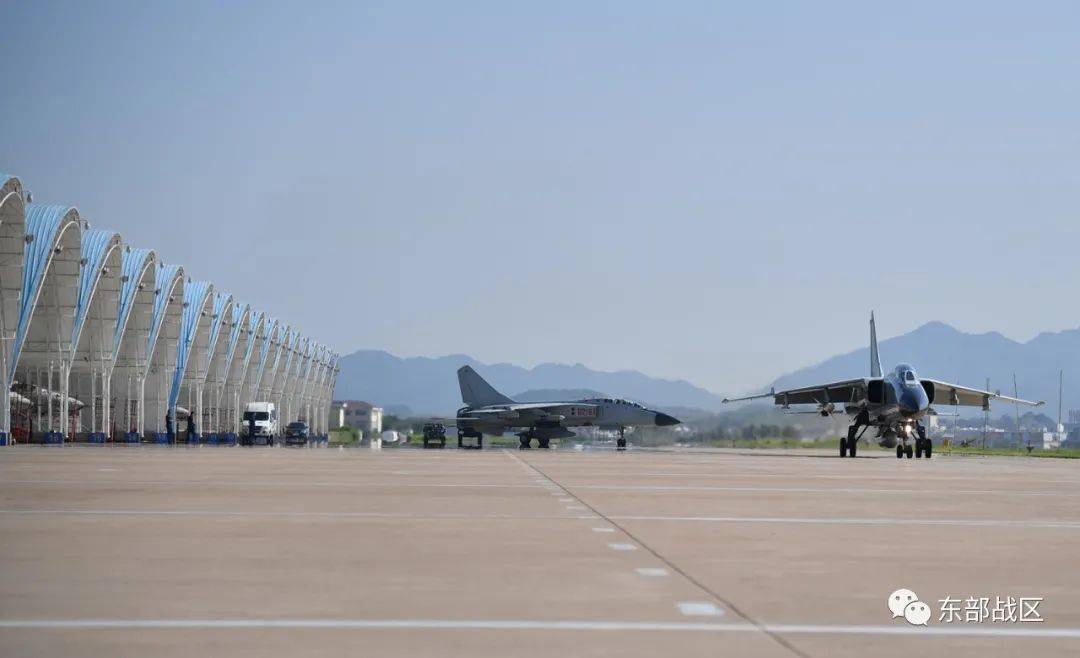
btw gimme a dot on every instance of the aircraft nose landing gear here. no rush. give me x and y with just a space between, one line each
903 448
621 443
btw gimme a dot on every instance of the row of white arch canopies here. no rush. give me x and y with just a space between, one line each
104 341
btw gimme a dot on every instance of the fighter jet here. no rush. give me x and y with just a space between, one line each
893 404
488 411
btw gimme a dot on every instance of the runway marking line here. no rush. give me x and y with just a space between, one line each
697 583
547 486
652 572
1001 523
699 609
964 630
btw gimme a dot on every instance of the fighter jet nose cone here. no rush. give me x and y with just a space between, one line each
663 420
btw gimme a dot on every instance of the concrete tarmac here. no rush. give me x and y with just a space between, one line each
117 551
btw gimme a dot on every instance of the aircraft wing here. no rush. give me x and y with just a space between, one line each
530 411
956 395
550 406
845 392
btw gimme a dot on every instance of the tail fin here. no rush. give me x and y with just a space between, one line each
475 392
875 358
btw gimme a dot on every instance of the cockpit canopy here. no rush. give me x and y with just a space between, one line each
906 373
621 401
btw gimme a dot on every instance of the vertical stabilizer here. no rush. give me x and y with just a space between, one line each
875 358
475 392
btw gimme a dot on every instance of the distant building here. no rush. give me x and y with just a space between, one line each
364 416
337 416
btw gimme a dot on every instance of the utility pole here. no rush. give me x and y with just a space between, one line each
1061 391
956 423
1016 407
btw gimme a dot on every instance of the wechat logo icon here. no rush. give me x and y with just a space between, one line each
905 603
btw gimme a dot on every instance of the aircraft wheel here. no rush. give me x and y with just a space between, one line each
918 448
852 445
908 452
544 444
899 451
928 448
843 447
524 443
621 444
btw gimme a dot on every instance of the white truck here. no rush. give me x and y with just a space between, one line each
260 426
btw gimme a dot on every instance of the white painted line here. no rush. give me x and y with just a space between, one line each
825 490
545 485
744 473
285 515
1003 523
603 529
279 483
952 630
651 572
699 609
566 500
622 547
575 508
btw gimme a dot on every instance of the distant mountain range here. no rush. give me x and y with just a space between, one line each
428 386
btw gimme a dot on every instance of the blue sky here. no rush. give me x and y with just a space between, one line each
699 191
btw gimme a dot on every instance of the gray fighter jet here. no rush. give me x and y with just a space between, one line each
893 403
488 411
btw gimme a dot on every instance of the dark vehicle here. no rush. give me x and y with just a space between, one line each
296 434
434 435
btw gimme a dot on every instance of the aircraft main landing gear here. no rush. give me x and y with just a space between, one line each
621 443
543 444
524 443
850 445
461 441
923 446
